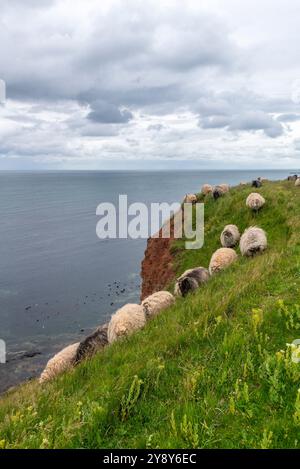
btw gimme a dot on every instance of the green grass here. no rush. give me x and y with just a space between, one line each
214 371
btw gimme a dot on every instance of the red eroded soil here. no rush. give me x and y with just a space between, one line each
157 266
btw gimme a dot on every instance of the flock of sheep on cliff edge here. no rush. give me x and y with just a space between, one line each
133 317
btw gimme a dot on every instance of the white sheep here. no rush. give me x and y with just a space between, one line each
253 241
221 259
297 182
255 201
224 187
190 280
190 199
206 189
230 236
62 361
125 321
155 303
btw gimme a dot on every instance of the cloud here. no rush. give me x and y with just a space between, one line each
288 118
256 120
107 113
133 54
105 78
250 121
155 127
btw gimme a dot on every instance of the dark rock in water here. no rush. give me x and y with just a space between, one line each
111 304
27 308
31 354
22 355
92 344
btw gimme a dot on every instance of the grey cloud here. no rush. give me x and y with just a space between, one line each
288 117
155 127
107 113
240 111
136 54
215 122
87 71
257 120
26 3
95 130
246 121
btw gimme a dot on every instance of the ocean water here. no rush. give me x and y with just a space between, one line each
58 280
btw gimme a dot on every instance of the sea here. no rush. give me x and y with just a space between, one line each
58 279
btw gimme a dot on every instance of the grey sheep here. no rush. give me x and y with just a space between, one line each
256 183
230 236
92 344
190 280
217 192
253 241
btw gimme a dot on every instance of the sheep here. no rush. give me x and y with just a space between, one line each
92 344
156 302
221 259
230 236
224 187
255 201
297 182
125 321
190 199
256 183
253 241
220 190
61 362
243 183
206 189
292 178
217 192
190 280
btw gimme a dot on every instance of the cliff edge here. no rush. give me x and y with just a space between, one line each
157 269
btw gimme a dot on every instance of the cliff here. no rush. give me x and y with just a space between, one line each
157 266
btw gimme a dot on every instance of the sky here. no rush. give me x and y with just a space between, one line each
115 84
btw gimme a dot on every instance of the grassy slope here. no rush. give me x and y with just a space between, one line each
205 373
